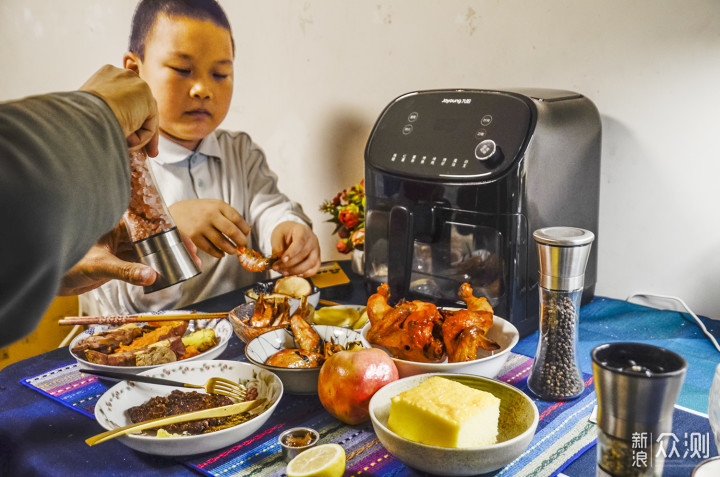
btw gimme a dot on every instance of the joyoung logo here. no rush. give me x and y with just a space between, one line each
456 100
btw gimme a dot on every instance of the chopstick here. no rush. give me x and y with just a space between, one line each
121 319
188 416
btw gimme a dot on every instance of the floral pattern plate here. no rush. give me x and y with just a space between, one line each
110 408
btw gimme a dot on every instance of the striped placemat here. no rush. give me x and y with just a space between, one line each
563 432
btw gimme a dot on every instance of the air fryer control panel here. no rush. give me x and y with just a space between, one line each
454 134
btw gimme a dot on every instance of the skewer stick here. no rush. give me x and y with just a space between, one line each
122 319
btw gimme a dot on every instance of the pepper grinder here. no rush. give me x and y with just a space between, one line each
563 254
152 230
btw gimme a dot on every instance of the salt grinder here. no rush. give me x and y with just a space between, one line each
152 230
563 253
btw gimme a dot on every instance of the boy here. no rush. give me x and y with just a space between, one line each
217 184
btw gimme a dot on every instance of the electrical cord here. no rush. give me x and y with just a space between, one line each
687 309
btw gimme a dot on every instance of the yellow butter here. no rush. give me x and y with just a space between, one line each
445 413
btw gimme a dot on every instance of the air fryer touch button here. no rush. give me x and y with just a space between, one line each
486 120
413 117
407 129
485 150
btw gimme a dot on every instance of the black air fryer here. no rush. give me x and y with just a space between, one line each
456 183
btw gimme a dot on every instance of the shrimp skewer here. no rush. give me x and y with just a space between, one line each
253 261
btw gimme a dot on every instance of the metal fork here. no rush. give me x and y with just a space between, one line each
224 387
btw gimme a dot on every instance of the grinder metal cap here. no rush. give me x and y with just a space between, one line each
563 254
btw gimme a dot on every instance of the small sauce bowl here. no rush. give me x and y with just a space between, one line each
295 440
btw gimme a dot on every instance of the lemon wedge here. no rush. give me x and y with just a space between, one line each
327 460
336 316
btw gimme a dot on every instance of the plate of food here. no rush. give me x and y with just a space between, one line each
296 355
136 347
129 401
422 338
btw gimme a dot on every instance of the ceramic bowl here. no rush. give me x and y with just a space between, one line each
110 408
488 363
266 287
296 380
223 332
239 318
516 428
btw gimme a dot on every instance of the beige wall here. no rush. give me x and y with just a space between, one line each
313 75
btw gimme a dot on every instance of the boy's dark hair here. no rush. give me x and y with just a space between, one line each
147 11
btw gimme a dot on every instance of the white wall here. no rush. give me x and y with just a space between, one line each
313 75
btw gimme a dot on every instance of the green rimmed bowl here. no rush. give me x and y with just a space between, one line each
516 428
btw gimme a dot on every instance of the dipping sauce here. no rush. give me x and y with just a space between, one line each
300 439
295 440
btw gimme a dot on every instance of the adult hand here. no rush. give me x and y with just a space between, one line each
131 100
212 224
112 258
299 247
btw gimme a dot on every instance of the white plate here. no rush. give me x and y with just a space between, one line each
488 364
223 332
296 380
110 408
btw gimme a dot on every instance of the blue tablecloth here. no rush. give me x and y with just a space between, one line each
38 436
606 320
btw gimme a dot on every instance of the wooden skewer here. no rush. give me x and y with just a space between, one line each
121 319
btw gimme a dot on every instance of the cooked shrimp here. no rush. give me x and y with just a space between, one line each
305 335
253 261
295 358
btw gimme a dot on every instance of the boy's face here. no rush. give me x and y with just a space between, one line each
189 67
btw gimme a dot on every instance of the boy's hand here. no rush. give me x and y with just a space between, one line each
300 249
132 102
212 224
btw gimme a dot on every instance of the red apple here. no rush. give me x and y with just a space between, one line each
349 379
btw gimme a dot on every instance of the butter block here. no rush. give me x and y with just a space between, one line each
445 413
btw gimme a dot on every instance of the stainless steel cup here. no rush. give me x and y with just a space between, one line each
290 449
637 386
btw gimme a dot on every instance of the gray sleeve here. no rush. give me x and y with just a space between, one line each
64 181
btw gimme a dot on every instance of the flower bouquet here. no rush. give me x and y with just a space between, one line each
347 212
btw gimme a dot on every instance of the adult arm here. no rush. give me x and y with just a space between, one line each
64 182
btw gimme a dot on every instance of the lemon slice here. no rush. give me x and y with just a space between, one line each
327 460
336 316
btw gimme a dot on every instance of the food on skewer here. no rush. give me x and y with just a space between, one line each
419 331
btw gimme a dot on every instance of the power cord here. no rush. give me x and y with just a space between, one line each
686 309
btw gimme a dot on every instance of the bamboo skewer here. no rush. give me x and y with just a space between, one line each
122 319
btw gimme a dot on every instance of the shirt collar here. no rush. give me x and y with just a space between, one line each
172 153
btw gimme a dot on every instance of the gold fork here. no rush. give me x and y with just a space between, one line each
224 387
228 410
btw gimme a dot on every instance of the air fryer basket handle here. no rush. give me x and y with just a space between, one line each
400 250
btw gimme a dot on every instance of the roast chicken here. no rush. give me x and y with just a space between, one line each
419 331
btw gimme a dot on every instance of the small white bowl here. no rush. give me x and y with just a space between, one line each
296 380
488 364
516 428
223 332
251 294
110 408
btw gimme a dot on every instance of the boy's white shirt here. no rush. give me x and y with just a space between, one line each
226 166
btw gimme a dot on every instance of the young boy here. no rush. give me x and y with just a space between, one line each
216 183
